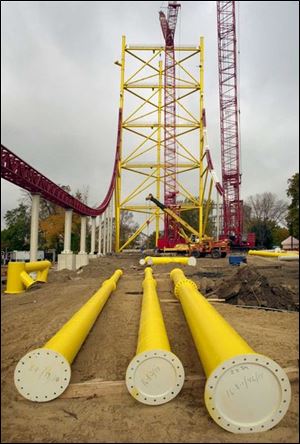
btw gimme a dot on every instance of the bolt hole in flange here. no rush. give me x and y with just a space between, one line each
155 378
40 376
253 393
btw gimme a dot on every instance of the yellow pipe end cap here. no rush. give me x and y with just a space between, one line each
247 394
155 377
42 375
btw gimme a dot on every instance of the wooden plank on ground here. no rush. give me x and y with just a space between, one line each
176 301
99 387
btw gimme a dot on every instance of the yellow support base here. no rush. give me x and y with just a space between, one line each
18 279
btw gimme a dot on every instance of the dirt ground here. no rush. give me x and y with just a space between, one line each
29 320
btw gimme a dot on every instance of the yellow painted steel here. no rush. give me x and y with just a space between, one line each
201 137
155 375
26 280
269 253
42 267
118 177
18 279
152 331
68 340
159 118
147 73
245 391
44 373
37 266
150 260
13 284
215 340
42 275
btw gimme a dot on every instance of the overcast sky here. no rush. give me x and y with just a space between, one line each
60 87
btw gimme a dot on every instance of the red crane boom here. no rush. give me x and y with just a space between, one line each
230 146
168 26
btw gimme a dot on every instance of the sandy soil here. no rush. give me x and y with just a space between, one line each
30 319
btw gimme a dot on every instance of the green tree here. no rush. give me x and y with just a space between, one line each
151 239
263 233
266 207
127 227
192 218
279 234
16 235
265 214
293 209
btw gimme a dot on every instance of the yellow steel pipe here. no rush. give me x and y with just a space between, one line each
266 253
149 260
155 375
245 391
37 266
44 373
42 267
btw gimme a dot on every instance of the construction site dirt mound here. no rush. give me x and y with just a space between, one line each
247 286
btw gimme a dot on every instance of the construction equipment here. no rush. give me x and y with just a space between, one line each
194 246
229 127
168 26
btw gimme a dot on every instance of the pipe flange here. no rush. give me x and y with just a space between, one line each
42 375
247 394
155 377
181 283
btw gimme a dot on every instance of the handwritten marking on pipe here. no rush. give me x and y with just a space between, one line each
150 375
245 384
45 373
235 370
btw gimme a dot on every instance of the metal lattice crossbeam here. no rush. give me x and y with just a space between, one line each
230 149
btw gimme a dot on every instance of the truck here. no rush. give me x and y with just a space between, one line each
193 246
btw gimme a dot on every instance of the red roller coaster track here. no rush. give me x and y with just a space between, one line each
19 172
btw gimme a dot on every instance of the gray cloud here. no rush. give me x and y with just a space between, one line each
60 87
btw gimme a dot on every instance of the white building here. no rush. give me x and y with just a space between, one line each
290 243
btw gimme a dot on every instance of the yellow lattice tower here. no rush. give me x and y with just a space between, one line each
140 167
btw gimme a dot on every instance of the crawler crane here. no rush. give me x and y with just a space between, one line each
194 246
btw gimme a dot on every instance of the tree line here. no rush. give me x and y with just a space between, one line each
270 218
